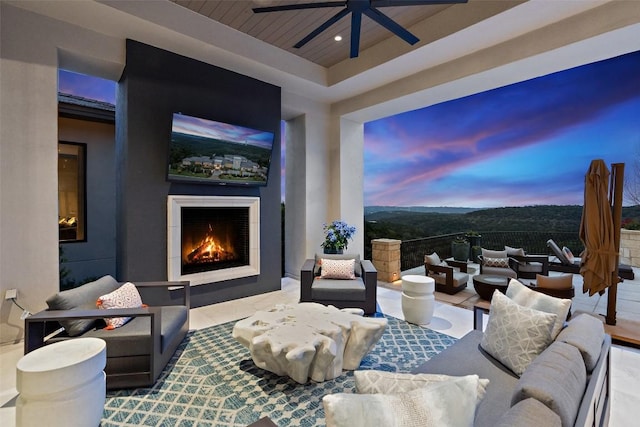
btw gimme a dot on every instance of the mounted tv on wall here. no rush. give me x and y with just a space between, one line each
204 151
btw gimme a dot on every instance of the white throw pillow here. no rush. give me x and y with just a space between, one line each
338 269
374 382
516 335
526 297
444 404
126 296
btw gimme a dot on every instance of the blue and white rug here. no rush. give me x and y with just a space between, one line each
212 381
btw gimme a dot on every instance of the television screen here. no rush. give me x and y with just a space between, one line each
209 152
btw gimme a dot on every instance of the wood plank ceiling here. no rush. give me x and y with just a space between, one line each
284 29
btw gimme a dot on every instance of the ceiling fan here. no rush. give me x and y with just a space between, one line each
357 8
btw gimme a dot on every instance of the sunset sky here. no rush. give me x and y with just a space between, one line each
525 144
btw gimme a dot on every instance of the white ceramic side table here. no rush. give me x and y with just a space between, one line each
62 384
418 301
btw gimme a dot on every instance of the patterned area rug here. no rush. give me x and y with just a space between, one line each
212 381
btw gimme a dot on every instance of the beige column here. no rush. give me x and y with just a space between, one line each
386 259
630 247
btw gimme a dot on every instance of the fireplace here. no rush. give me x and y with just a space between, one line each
212 238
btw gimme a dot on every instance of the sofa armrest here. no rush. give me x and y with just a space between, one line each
169 287
36 326
369 272
306 280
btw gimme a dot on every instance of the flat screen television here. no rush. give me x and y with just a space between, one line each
204 151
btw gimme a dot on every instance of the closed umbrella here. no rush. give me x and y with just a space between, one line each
597 231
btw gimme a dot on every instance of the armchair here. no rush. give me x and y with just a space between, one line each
497 263
138 351
357 292
527 266
447 279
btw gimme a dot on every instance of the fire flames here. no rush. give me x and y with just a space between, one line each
209 250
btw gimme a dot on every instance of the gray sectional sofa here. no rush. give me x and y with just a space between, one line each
568 384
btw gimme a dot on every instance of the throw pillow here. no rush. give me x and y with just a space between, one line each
514 251
82 298
338 269
515 335
496 262
374 382
526 297
448 403
564 281
126 296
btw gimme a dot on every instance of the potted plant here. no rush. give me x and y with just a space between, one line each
460 248
337 236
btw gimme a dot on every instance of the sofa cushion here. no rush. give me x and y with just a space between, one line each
338 268
375 382
586 333
433 259
447 403
516 335
84 298
126 296
529 413
556 378
539 301
134 338
488 253
336 289
466 357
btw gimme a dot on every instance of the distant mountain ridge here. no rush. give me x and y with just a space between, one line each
434 209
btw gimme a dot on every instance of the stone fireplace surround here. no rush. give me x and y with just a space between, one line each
175 203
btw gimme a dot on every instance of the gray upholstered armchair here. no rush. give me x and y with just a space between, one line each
136 352
497 263
450 276
336 287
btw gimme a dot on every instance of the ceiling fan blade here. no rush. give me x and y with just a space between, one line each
356 21
391 25
299 6
329 22
385 3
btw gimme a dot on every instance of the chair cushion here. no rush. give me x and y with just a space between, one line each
488 253
556 378
338 290
586 333
564 281
531 267
514 251
432 259
84 298
134 339
539 301
499 271
516 335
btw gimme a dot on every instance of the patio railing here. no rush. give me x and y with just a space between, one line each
412 252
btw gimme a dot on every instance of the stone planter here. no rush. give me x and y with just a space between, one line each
460 250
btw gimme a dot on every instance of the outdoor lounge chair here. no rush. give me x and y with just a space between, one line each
450 276
563 264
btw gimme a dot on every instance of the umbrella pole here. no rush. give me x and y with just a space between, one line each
615 198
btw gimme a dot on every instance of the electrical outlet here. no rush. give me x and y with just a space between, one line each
11 294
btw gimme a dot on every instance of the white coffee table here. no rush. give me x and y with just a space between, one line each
308 340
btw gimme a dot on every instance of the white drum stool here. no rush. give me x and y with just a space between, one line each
62 384
418 301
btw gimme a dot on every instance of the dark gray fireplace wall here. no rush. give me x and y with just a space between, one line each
155 84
